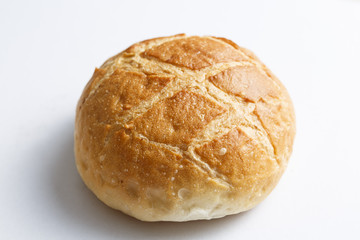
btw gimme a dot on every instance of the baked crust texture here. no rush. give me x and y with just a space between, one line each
182 128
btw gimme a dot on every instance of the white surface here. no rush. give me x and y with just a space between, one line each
48 51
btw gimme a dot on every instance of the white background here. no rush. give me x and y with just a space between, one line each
49 49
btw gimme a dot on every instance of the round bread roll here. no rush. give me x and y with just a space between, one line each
183 128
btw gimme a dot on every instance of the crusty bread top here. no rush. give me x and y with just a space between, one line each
183 113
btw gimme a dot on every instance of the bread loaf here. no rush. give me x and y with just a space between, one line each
183 128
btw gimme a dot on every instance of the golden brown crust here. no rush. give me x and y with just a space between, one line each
193 52
228 41
98 74
239 157
278 121
245 81
182 128
148 42
176 120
